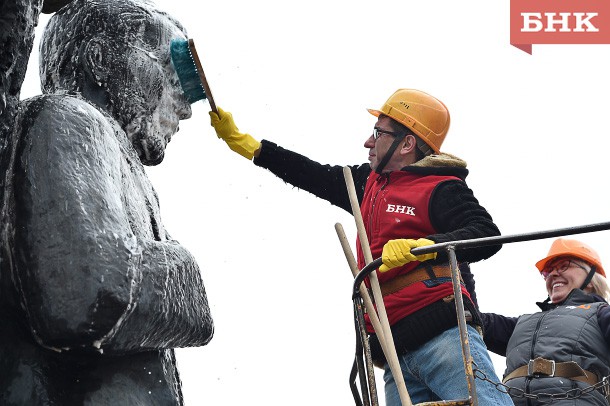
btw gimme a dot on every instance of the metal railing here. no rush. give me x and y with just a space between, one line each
364 367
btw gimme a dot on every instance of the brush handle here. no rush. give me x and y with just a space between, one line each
204 82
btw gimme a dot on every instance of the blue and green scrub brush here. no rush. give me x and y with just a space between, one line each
190 72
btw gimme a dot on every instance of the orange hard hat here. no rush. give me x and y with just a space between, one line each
573 248
423 114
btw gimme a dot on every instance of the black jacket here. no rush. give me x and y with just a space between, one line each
498 328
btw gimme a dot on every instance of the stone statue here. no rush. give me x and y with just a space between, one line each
18 18
94 293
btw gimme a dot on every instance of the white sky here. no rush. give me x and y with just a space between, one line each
533 129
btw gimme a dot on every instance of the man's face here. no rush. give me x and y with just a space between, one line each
386 130
147 99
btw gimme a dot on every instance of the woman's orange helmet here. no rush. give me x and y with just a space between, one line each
563 247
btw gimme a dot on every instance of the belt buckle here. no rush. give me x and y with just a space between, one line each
532 369
605 386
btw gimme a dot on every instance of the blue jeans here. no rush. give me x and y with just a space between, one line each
435 371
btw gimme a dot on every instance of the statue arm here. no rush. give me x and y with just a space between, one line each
171 309
89 276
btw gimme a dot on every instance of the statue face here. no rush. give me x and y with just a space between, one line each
146 97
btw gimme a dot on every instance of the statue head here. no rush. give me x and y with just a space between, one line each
116 54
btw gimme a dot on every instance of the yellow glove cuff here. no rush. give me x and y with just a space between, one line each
422 242
244 144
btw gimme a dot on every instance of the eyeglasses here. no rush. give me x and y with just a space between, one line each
378 133
561 267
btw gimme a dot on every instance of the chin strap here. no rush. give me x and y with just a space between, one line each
388 154
588 278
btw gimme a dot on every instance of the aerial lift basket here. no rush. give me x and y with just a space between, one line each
363 366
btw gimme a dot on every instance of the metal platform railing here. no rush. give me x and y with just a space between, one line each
363 364
378 317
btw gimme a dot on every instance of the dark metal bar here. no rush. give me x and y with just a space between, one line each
363 274
481 242
450 247
359 355
504 239
461 318
352 382
370 392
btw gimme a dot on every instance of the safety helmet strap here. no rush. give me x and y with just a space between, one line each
588 278
388 154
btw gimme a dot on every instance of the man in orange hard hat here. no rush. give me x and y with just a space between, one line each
411 195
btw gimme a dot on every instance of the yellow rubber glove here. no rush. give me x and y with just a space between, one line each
398 252
226 129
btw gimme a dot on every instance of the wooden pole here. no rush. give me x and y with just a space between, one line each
370 309
390 355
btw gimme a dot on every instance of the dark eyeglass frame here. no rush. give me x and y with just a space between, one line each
378 133
561 267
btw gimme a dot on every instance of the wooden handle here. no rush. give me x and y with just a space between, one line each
390 355
368 303
370 309
204 82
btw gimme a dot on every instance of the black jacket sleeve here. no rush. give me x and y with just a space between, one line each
469 282
457 215
497 329
324 181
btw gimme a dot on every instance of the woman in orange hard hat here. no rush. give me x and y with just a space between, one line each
560 352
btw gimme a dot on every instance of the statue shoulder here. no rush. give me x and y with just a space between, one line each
61 108
60 118
55 129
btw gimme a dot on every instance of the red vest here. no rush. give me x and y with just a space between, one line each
397 207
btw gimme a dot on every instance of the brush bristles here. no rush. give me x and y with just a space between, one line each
187 70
